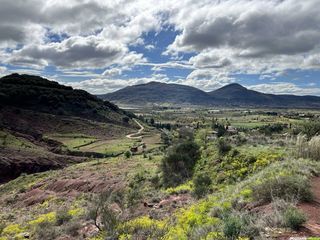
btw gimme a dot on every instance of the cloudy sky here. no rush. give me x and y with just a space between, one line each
103 45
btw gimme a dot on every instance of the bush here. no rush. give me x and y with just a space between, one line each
240 224
125 120
62 217
134 195
2 226
72 228
128 154
221 131
179 163
232 227
201 185
223 146
310 128
274 218
272 128
284 187
308 149
294 218
106 218
46 230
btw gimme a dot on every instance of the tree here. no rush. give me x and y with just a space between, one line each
125 119
201 184
179 163
102 209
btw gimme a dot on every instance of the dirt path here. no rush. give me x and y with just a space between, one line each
312 209
133 135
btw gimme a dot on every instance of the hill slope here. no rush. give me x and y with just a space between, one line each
237 95
230 95
33 110
41 95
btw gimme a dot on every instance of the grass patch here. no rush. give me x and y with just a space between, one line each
294 187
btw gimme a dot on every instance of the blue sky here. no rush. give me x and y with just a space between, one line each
267 45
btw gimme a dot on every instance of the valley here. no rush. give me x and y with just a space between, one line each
156 172
159 120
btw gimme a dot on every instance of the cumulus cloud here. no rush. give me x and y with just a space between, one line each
96 33
255 28
223 38
106 85
285 88
75 52
207 79
112 72
264 32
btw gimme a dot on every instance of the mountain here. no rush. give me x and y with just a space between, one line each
232 95
36 113
156 93
236 95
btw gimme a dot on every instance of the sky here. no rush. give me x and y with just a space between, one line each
101 46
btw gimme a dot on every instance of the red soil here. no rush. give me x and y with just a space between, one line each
312 209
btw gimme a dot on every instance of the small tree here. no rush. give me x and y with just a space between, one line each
179 163
105 217
223 146
201 185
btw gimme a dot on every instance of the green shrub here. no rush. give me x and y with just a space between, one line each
223 146
46 230
72 228
310 128
232 227
272 128
289 188
240 224
155 180
179 163
2 226
62 217
134 195
201 183
105 218
294 218
128 154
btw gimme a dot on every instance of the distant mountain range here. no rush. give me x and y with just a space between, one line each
232 95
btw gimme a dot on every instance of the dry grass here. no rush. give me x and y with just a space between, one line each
308 149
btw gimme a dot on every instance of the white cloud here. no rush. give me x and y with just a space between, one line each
75 52
266 37
207 79
105 85
285 88
149 47
3 71
112 72
251 36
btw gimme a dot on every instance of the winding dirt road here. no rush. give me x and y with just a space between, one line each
133 135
